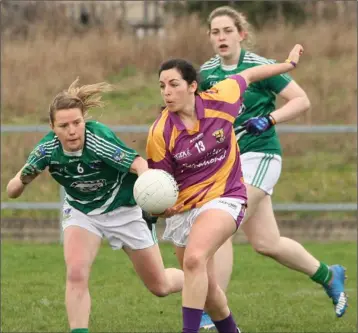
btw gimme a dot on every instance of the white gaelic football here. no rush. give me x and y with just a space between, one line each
155 191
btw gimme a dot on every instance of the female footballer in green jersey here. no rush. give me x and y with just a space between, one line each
98 172
261 153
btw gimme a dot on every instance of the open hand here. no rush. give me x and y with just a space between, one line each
295 53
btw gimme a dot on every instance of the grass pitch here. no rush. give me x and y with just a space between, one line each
263 296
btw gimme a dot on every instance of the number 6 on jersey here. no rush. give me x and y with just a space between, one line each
79 168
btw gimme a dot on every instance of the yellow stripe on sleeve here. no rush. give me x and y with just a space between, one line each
155 142
227 91
209 113
173 137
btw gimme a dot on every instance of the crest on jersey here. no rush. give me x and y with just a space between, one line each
118 155
67 214
219 135
95 164
40 151
89 185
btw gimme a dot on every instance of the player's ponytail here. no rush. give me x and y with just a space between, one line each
81 97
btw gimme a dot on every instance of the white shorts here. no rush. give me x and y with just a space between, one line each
261 170
178 226
123 226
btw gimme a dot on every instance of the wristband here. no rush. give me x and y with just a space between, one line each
289 61
272 120
23 182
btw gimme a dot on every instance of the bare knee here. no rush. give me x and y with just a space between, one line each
160 291
158 284
159 288
194 261
266 247
77 273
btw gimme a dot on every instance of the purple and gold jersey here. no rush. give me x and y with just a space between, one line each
204 161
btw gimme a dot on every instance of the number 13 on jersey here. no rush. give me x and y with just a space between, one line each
200 146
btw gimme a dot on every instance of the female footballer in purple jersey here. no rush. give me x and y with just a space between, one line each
193 139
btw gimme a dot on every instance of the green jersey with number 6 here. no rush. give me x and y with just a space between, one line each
258 100
96 179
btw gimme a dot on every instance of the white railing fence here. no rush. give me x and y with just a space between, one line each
294 206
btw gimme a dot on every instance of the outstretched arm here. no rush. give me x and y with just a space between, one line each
25 176
262 72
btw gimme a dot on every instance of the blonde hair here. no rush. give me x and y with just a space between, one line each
83 98
240 22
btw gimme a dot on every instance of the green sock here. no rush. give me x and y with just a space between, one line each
80 330
323 274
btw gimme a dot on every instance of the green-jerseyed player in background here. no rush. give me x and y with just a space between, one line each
261 154
98 172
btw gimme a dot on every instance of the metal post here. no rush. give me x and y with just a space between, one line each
157 19
145 17
62 199
123 6
204 6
